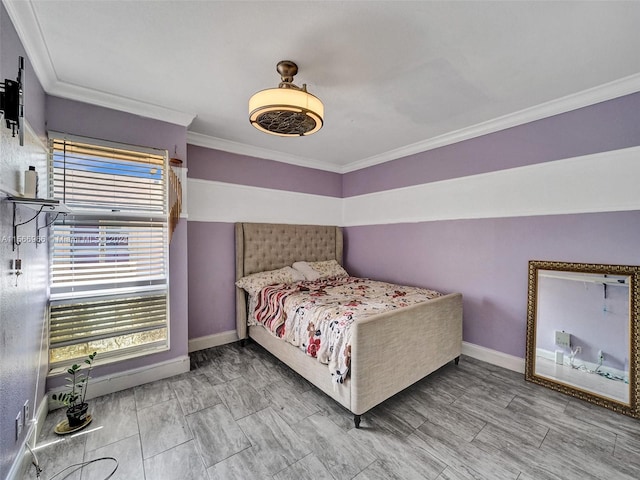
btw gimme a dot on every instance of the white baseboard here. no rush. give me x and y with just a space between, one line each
131 378
214 340
494 357
540 352
549 355
22 462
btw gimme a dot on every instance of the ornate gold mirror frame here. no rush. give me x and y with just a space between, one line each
550 369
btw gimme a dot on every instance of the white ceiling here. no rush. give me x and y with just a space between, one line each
396 78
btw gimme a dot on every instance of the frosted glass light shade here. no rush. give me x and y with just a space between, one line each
286 112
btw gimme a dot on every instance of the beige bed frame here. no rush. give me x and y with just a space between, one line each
389 351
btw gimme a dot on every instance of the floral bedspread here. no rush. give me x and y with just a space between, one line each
317 316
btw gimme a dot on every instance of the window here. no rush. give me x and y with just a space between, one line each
109 257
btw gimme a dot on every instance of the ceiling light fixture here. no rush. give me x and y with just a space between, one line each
287 111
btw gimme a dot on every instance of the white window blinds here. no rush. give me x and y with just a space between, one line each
96 177
109 258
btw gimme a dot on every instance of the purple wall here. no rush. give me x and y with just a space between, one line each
487 261
208 164
77 118
68 116
602 127
211 244
212 272
22 302
178 293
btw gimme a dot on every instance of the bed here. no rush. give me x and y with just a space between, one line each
389 351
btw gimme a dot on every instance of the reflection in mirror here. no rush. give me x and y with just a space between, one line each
582 333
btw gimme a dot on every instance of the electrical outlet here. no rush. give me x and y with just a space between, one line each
563 339
19 425
25 413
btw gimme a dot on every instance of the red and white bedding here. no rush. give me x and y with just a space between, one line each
316 316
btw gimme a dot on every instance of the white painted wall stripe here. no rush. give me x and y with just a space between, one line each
211 201
602 182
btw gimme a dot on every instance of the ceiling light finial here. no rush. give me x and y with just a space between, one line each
287 70
289 110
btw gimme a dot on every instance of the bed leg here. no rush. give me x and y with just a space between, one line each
356 420
457 360
243 342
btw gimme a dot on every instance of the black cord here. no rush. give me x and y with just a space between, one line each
34 461
83 464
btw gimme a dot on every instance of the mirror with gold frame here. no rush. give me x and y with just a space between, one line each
582 332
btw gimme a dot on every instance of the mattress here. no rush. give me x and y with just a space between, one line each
316 316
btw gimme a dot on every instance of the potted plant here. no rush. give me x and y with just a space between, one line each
74 398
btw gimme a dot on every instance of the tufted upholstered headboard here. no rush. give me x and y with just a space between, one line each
267 246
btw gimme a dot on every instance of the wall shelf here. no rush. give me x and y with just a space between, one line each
39 205
47 205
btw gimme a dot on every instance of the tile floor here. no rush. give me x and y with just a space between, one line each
241 414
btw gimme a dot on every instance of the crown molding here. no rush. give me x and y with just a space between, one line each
207 141
123 104
28 28
585 98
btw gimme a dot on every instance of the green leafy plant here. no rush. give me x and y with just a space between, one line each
77 384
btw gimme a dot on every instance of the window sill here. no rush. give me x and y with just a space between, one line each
108 360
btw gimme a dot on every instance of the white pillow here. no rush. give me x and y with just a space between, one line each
257 281
318 270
